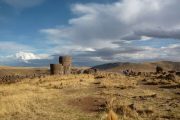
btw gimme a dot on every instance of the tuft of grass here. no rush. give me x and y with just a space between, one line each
112 115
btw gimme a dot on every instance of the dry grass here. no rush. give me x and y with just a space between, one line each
114 80
39 99
80 97
12 71
112 115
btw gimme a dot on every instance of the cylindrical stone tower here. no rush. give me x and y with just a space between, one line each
66 61
56 69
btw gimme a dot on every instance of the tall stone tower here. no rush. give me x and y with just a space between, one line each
66 61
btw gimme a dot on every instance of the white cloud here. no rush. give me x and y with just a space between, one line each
26 59
115 25
20 4
12 52
145 38
97 24
13 47
26 56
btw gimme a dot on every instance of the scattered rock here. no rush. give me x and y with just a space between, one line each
170 77
90 71
99 77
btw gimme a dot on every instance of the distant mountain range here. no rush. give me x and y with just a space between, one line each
142 67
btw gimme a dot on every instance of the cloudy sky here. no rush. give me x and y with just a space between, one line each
36 32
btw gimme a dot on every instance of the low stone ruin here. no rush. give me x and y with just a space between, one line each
170 76
84 71
64 66
90 71
178 73
159 69
56 69
17 78
158 74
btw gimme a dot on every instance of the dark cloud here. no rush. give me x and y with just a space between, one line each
107 55
160 33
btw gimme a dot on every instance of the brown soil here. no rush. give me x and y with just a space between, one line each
89 104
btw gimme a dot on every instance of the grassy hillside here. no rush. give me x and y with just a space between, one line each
142 67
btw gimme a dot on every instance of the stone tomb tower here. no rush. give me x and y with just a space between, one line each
66 61
56 69
64 66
